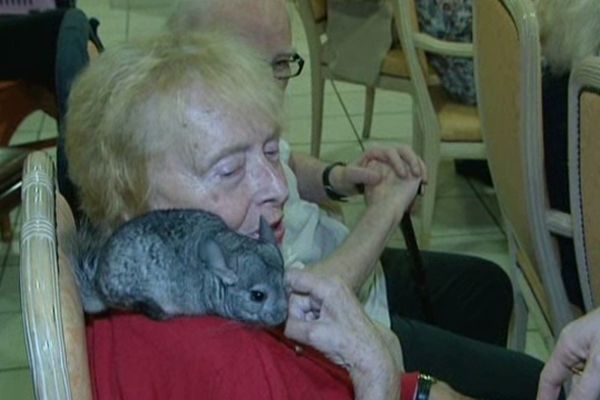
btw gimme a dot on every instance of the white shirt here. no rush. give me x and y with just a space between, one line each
311 235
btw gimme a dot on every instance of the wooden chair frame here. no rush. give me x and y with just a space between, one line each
315 28
584 103
429 138
530 239
427 129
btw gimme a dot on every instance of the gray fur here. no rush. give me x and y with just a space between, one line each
170 263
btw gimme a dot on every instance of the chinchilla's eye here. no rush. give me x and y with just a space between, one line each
258 296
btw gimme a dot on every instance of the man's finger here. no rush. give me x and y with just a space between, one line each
398 163
588 387
391 158
361 175
558 367
551 381
411 159
423 171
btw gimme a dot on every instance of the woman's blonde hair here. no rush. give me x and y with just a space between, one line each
128 107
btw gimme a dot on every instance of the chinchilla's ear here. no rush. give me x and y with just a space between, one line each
213 255
265 232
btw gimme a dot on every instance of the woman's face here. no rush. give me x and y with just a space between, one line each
227 167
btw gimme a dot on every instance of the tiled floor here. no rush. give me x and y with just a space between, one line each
466 215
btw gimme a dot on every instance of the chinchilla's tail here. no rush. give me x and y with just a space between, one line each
84 247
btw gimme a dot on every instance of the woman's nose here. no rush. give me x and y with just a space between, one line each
270 183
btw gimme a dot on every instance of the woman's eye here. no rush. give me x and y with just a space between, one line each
272 151
230 167
273 155
229 173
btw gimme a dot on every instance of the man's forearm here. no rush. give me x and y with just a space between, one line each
308 171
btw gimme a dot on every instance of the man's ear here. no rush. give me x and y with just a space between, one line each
213 255
265 232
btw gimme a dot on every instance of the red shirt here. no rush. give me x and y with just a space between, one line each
133 357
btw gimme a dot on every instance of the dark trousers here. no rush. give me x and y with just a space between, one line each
472 304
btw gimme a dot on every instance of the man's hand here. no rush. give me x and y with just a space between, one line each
392 191
577 351
402 160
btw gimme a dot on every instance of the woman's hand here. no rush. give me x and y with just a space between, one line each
577 351
325 314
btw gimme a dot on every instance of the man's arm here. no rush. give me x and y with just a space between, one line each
354 260
309 172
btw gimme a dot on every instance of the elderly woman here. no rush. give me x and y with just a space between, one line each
194 121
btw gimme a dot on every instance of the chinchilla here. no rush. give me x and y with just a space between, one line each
170 263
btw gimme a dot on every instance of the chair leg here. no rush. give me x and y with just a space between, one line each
6 228
318 88
428 201
518 328
429 150
417 138
368 114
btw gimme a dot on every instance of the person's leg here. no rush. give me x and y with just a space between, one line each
470 296
473 368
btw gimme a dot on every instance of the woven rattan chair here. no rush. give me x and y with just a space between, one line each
52 312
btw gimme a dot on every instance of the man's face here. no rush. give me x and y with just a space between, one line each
265 25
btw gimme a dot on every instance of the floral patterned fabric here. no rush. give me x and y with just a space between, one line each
450 20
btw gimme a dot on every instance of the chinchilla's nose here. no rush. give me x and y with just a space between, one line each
278 314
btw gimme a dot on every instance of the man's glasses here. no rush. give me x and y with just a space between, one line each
287 67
